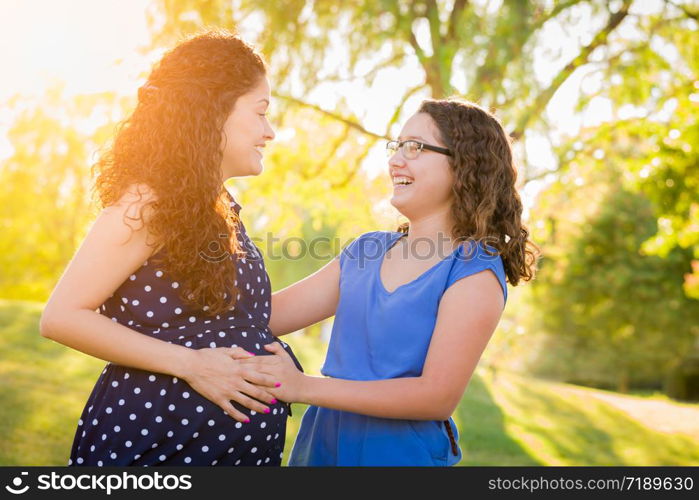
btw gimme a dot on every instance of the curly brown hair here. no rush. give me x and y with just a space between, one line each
486 205
171 143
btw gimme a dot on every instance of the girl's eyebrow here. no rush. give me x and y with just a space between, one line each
264 99
411 137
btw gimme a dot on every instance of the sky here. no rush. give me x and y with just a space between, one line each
96 45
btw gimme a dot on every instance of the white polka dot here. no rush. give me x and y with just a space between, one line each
184 421
195 435
80 422
269 436
126 375
163 392
137 457
187 460
179 447
259 461
244 334
132 416
175 284
100 463
151 378
115 383
253 412
95 421
80 460
221 334
253 450
148 405
128 444
165 325
257 346
192 319
144 432
147 288
159 274
132 277
267 460
211 423
204 449
263 425
238 425
108 409
237 462
149 314
174 380
171 407
248 437
113 456
212 344
104 437
222 437
178 310
125 300
170 434
230 450
199 409
158 419
135 302
137 390
188 344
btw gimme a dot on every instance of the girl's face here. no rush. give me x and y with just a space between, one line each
429 177
246 132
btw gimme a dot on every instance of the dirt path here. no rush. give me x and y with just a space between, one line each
662 416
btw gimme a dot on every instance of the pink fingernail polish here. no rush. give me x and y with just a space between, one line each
250 353
266 410
277 384
273 402
247 421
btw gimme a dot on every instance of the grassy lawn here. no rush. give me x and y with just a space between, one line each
503 420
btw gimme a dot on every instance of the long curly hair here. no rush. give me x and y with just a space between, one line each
486 205
172 144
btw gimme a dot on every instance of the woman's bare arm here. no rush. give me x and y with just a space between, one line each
110 253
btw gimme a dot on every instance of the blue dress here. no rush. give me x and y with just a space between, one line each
381 335
135 417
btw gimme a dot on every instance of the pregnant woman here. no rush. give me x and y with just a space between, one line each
415 308
167 286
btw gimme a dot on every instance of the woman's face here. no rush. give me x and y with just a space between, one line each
246 132
429 176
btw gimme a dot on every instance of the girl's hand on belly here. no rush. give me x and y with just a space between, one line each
288 381
220 376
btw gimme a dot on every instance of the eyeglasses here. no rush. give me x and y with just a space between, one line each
411 149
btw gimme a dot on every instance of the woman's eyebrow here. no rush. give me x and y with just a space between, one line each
264 99
411 137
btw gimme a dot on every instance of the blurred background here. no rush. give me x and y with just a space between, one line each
596 362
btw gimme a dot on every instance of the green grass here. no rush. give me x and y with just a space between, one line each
504 420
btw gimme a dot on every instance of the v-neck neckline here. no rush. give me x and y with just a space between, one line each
389 246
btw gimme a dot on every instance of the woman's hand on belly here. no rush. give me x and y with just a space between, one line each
220 375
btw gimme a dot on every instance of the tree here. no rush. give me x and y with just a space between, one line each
475 49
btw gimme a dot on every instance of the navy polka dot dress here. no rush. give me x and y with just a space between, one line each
138 418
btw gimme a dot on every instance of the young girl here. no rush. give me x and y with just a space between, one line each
181 291
414 309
